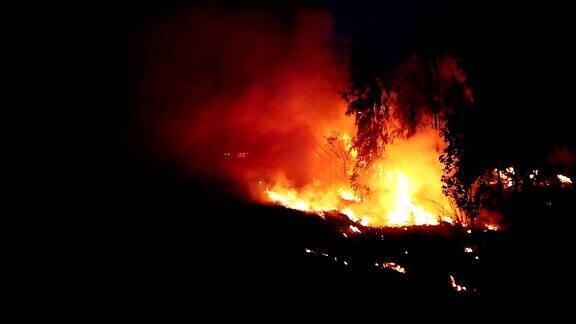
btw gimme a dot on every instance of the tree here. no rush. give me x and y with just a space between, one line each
463 160
370 101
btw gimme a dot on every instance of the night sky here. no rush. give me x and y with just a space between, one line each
518 57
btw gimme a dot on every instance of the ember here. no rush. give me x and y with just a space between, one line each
392 266
355 139
355 229
491 227
326 255
458 287
564 179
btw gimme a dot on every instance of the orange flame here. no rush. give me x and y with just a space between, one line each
392 266
403 187
259 113
564 179
458 287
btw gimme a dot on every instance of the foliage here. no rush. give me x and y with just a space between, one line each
462 157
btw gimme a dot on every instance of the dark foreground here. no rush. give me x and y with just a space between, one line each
173 241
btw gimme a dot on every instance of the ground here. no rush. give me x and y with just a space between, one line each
174 237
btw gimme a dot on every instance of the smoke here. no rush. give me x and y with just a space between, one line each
241 94
418 82
562 158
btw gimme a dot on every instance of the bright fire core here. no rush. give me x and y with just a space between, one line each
403 188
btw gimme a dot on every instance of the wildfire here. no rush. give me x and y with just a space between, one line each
283 131
403 188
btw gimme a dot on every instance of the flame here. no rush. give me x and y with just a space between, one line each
457 286
392 266
403 188
406 212
564 179
492 227
355 229
506 176
348 195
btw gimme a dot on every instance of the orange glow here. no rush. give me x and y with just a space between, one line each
392 266
404 187
457 286
507 176
492 227
268 115
564 179
355 229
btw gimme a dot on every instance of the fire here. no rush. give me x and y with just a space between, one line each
403 188
491 227
348 195
392 266
458 287
355 229
564 179
280 129
506 176
406 212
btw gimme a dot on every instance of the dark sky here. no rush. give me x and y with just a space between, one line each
518 56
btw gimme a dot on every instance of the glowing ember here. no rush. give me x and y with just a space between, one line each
392 266
448 219
326 255
355 229
564 179
507 176
456 286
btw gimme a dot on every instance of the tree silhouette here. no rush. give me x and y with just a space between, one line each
464 164
370 101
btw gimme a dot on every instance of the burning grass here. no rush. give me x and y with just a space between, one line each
403 188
